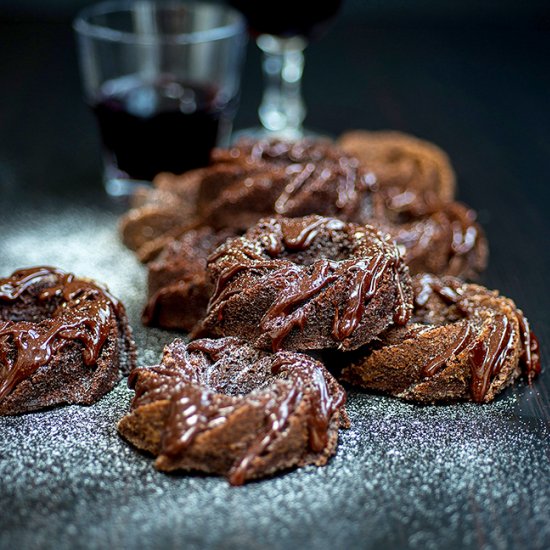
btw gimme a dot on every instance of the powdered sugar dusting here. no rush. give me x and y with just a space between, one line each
403 476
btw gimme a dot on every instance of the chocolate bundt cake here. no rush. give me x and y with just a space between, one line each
226 408
465 342
403 164
307 283
414 202
62 340
179 288
447 241
291 179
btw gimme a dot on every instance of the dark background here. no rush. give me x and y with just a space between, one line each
508 12
474 77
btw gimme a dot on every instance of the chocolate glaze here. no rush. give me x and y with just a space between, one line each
222 292
192 407
83 312
216 349
431 285
365 278
247 252
459 223
294 185
322 404
487 352
13 287
278 412
309 166
315 165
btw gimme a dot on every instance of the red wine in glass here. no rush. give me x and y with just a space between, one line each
159 126
289 18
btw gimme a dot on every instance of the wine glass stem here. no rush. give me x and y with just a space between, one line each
282 110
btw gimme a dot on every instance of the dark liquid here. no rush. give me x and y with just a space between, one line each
289 17
163 126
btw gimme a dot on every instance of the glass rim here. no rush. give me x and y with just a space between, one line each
83 26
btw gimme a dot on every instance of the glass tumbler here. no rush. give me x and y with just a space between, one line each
163 81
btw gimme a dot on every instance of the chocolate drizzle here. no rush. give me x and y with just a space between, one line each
222 291
296 286
294 185
22 280
278 412
297 172
461 342
488 355
82 311
190 413
216 349
431 285
309 231
323 403
364 283
443 238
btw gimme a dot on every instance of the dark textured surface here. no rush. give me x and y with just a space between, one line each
456 476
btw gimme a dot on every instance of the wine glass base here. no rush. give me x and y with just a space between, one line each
259 132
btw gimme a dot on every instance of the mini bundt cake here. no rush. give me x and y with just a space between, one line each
226 408
414 201
447 241
292 179
178 286
465 342
405 166
307 283
62 340
158 211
